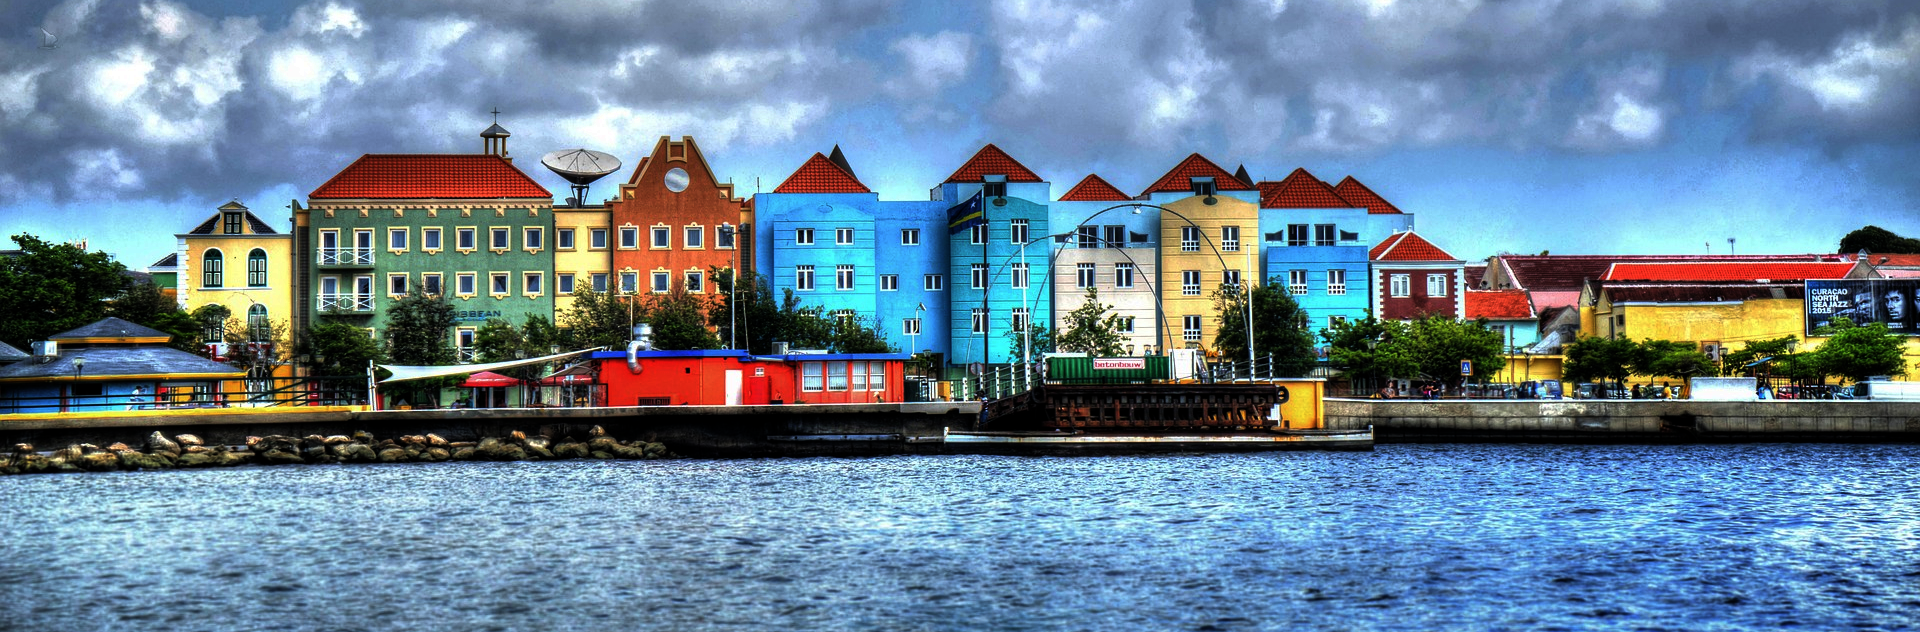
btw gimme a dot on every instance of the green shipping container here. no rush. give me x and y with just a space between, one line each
1106 370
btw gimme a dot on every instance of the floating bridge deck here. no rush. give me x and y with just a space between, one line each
1140 406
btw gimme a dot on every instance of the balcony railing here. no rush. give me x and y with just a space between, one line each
468 354
346 256
346 302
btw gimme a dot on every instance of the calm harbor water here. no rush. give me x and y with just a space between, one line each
1406 537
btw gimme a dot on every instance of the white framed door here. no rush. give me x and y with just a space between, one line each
734 384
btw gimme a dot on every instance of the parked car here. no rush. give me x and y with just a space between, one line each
1597 390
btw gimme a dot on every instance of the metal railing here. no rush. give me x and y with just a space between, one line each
346 256
345 302
305 391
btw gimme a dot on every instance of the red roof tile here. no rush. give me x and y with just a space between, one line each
1475 273
1197 166
1897 261
1359 195
1568 273
991 161
1499 305
1300 190
430 176
1408 246
1726 271
820 175
1094 188
1690 293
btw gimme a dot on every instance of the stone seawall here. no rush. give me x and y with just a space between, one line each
1628 421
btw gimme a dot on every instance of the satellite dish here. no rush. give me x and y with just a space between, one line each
580 167
48 41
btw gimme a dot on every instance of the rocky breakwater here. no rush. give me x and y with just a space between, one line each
188 451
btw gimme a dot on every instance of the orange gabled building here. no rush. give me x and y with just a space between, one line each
673 223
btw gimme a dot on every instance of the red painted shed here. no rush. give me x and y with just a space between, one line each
722 377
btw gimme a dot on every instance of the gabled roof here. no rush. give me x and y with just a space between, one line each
255 225
1094 188
105 363
1196 166
1474 274
1726 271
1300 190
110 327
820 175
172 260
1499 305
991 161
1408 246
430 176
1358 194
10 354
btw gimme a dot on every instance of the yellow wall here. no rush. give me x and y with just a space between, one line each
1305 407
1226 211
583 261
1523 368
234 294
1731 324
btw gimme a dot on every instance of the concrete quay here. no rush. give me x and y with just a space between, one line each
1628 421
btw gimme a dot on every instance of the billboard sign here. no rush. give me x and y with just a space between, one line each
1864 301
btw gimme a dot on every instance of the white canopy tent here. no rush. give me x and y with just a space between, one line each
402 373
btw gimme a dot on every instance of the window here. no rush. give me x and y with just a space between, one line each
397 284
889 282
463 283
979 276
696 281
661 281
630 282
430 239
1400 285
1020 315
257 268
1083 275
1323 234
232 221
1189 282
597 238
1202 186
877 376
499 283
499 239
1335 320
858 371
1123 275
843 277
1087 237
1190 328
598 281
1126 324
629 237
979 320
1018 234
463 238
1020 275
803 278
803 236
994 189
810 376
1189 239
723 236
978 234
1296 234
1297 282
909 236
533 238
531 282
396 239
910 327
259 329
1436 285
463 341
430 283
1337 282
696 237
1230 238
836 376
934 283
563 238
363 287
212 269
1116 236
1230 278
842 236
660 237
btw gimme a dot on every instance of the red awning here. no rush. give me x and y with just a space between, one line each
489 379
578 374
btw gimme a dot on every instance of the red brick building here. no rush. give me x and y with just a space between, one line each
673 222
1413 278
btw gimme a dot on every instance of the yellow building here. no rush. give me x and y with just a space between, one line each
1209 236
582 259
237 261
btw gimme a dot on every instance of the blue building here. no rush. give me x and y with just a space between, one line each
112 365
1316 238
999 265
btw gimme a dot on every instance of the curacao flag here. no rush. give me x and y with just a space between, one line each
964 215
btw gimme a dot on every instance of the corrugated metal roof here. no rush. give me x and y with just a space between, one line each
1726 271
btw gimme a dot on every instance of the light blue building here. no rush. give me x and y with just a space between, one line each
998 266
1315 240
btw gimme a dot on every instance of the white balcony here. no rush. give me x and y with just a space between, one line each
346 302
346 256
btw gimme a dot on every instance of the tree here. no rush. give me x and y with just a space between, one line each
599 319
420 330
211 327
1037 339
1365 348
1857 352
144 303
1279 327
1435 345
1752 351
1878 240
1596 358
857 334
49 288
679 321
256 347
338 347
1092 329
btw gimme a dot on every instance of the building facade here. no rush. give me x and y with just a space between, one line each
1413 278
1208 238
999 265
674 224
237 261
1102 245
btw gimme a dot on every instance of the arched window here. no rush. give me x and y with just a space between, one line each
212 269
257 268
257 328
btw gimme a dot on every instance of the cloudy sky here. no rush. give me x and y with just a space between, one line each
1578 126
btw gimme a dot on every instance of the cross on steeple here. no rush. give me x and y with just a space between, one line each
496 114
